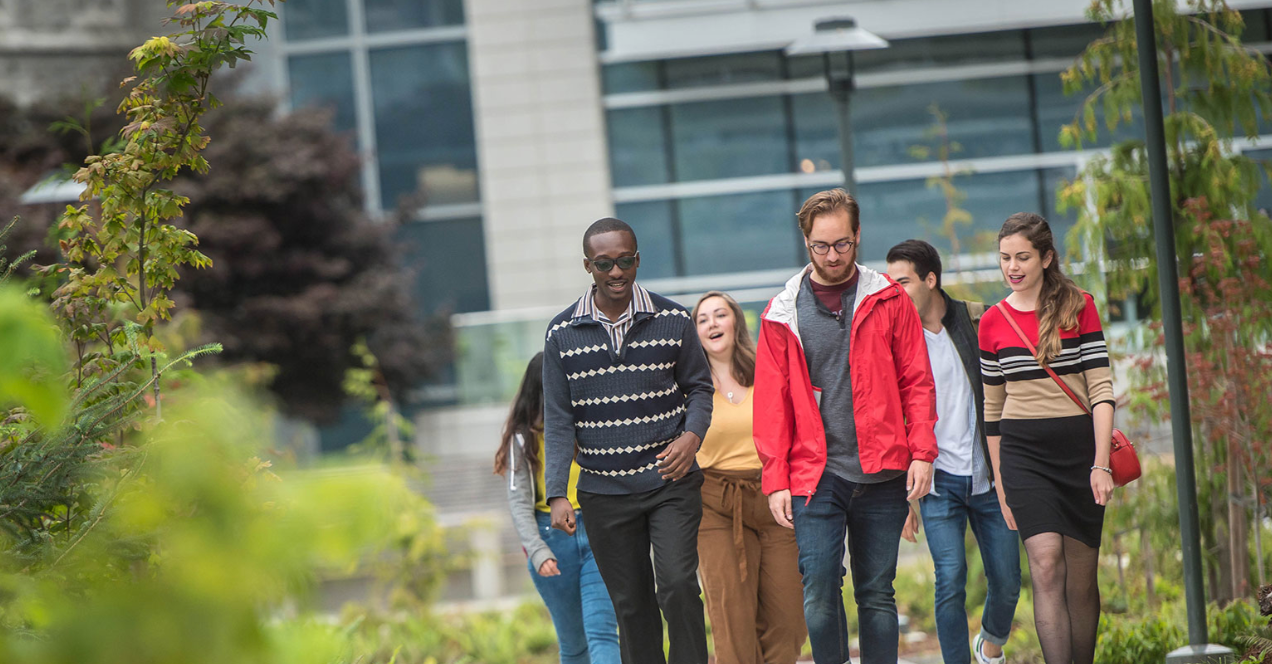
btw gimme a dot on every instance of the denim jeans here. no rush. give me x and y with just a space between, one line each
587 631
872 516
946 513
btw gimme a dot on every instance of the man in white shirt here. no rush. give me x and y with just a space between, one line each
962 481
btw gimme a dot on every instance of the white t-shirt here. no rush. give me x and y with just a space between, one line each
955 408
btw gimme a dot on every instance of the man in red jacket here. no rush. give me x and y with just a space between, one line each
845 408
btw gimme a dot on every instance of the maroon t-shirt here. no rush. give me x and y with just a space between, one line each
832 296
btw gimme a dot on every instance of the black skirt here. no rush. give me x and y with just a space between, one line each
1046 469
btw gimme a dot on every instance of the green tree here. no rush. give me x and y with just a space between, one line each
956 224
1214 90
299 272
122 251
121 257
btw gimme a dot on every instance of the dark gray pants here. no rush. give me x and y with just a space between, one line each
622 528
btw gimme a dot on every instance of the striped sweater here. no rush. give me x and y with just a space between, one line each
624 405
1018 388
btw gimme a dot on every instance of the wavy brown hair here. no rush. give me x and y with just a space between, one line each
1061 300
742 363
525 418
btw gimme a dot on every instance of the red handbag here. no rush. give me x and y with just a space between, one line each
1123 459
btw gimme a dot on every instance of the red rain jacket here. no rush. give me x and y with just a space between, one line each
893 393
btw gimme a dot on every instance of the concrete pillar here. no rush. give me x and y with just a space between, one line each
487 570
541 144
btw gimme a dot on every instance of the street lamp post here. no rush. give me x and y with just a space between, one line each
1198 649
835 39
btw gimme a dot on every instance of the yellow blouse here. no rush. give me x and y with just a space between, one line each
540 485
729 444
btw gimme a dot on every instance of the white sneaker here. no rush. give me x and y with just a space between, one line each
981 657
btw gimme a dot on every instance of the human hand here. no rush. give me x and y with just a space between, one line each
562 514
911 530
1007 515
780 506
677 458
549 568
918 480
1101 486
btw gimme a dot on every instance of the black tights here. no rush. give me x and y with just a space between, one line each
1066 597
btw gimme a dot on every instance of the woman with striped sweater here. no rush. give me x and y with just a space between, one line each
1050 458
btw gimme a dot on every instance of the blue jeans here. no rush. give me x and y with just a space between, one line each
582 613
872 516
946 513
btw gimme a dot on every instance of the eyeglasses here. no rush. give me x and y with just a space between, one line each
821 248
607 264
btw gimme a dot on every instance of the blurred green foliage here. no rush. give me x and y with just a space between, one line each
130 537
197 551
521 636
33 361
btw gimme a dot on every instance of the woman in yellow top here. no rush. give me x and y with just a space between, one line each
749 564
561 565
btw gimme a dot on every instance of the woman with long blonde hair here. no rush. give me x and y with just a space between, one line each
749 564
1050 457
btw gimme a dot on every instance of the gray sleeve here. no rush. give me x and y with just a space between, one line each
694 377
521 504
558 423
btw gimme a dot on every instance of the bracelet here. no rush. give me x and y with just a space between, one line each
1104 468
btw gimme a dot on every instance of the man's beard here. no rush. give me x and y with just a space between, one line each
839 275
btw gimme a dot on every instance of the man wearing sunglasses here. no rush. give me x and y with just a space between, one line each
626 384
843 382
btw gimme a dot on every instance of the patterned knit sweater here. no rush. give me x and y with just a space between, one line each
1018 388
622 405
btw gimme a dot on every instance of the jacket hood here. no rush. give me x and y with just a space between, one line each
781 309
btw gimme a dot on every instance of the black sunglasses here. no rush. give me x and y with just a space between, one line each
607 264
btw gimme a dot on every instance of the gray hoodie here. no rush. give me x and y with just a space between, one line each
521 504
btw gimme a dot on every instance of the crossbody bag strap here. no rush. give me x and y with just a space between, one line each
1021 333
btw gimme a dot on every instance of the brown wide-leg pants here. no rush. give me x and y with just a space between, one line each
750 573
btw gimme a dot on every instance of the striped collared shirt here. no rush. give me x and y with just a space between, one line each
641 303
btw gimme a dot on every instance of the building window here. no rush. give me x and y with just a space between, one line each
407 98
315 19
944 51
892 212
409 101
816 131
637 146
389 15
723 70
449 257
733 138
1061 222
1056 109
655 226
630 77
738 232
324 80
424 124
1062 41
985 117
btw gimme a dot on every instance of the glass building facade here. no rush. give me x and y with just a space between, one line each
395 76
710 156
720 151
